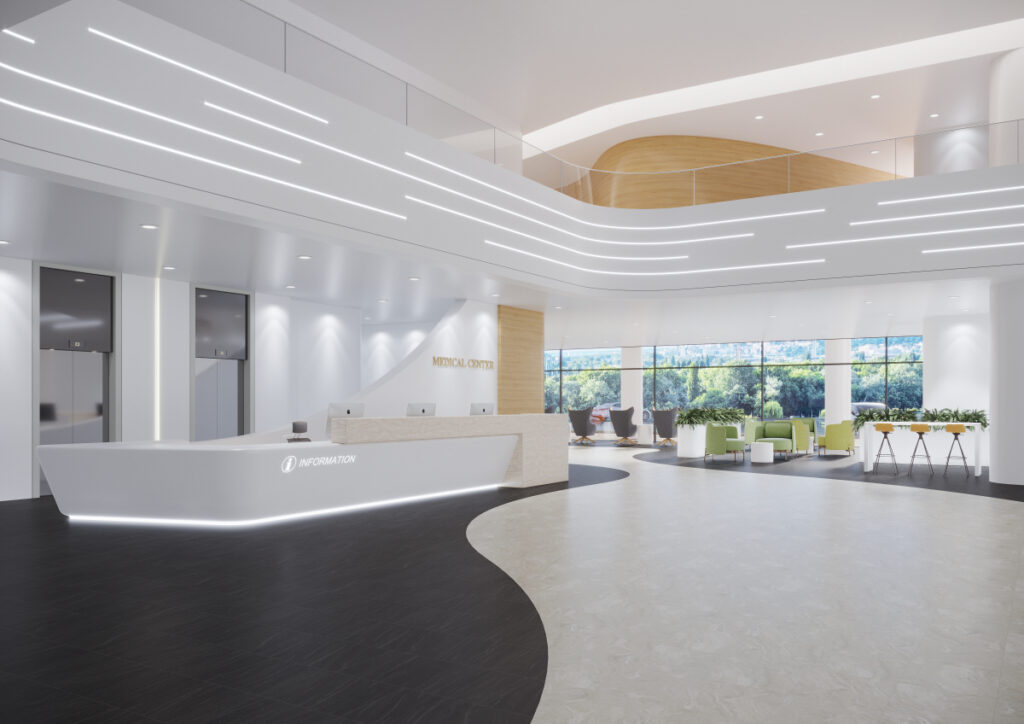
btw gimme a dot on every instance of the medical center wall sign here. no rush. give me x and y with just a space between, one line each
463 363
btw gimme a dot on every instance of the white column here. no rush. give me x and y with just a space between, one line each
155 365
1007 390
16 423
837 380
632 381
1006 103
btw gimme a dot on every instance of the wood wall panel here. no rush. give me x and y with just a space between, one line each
520 361
648 175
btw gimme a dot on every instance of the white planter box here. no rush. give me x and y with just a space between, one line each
691 442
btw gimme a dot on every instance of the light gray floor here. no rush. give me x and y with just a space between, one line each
689 595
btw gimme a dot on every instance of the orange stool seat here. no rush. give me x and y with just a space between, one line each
956 429
885 428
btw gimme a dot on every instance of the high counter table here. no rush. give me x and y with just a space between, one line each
937 440
540 457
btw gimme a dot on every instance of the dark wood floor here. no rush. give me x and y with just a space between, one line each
384 615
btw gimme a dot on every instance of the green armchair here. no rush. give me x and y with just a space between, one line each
722 439
837 437
786 436
811 429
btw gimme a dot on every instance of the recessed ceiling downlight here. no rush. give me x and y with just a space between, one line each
148 227
304 257
168 268
290 286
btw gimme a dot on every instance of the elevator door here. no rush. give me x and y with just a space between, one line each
218 398
221 350
75 337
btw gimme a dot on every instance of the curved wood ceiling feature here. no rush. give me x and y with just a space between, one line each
641 180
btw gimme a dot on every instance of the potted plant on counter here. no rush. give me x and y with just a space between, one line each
693 425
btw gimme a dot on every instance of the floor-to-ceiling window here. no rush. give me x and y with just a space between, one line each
768 380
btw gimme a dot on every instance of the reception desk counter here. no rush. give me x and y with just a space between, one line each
240 483
540 457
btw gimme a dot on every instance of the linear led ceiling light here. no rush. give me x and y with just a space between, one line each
657 273
937 215
195 157
608 226
208 523
903 236
545 241
951 196
143 111
971 248
412 177
204 74
19 36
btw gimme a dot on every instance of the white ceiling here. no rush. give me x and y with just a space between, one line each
844 112
58 222
242 221
539 62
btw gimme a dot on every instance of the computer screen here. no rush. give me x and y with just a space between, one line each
420 409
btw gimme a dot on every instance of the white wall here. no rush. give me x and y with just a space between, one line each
956 357
155 349
270 359
1006 103
16 378
325 356
469 330
385 345
305 355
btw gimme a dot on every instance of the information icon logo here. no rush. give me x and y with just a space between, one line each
289 464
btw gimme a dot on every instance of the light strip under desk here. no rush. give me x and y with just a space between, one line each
432 184
204 74
544 241
937 215
19 36
972 248
208 523
539 205
195 157
143 111
903 236
652 274
951 196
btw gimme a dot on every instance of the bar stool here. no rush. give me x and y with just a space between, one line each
956 430
885 428
920 428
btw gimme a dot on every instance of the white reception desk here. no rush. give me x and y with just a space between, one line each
238 484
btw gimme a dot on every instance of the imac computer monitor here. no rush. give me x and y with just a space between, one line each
420 409
345 409
481 408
